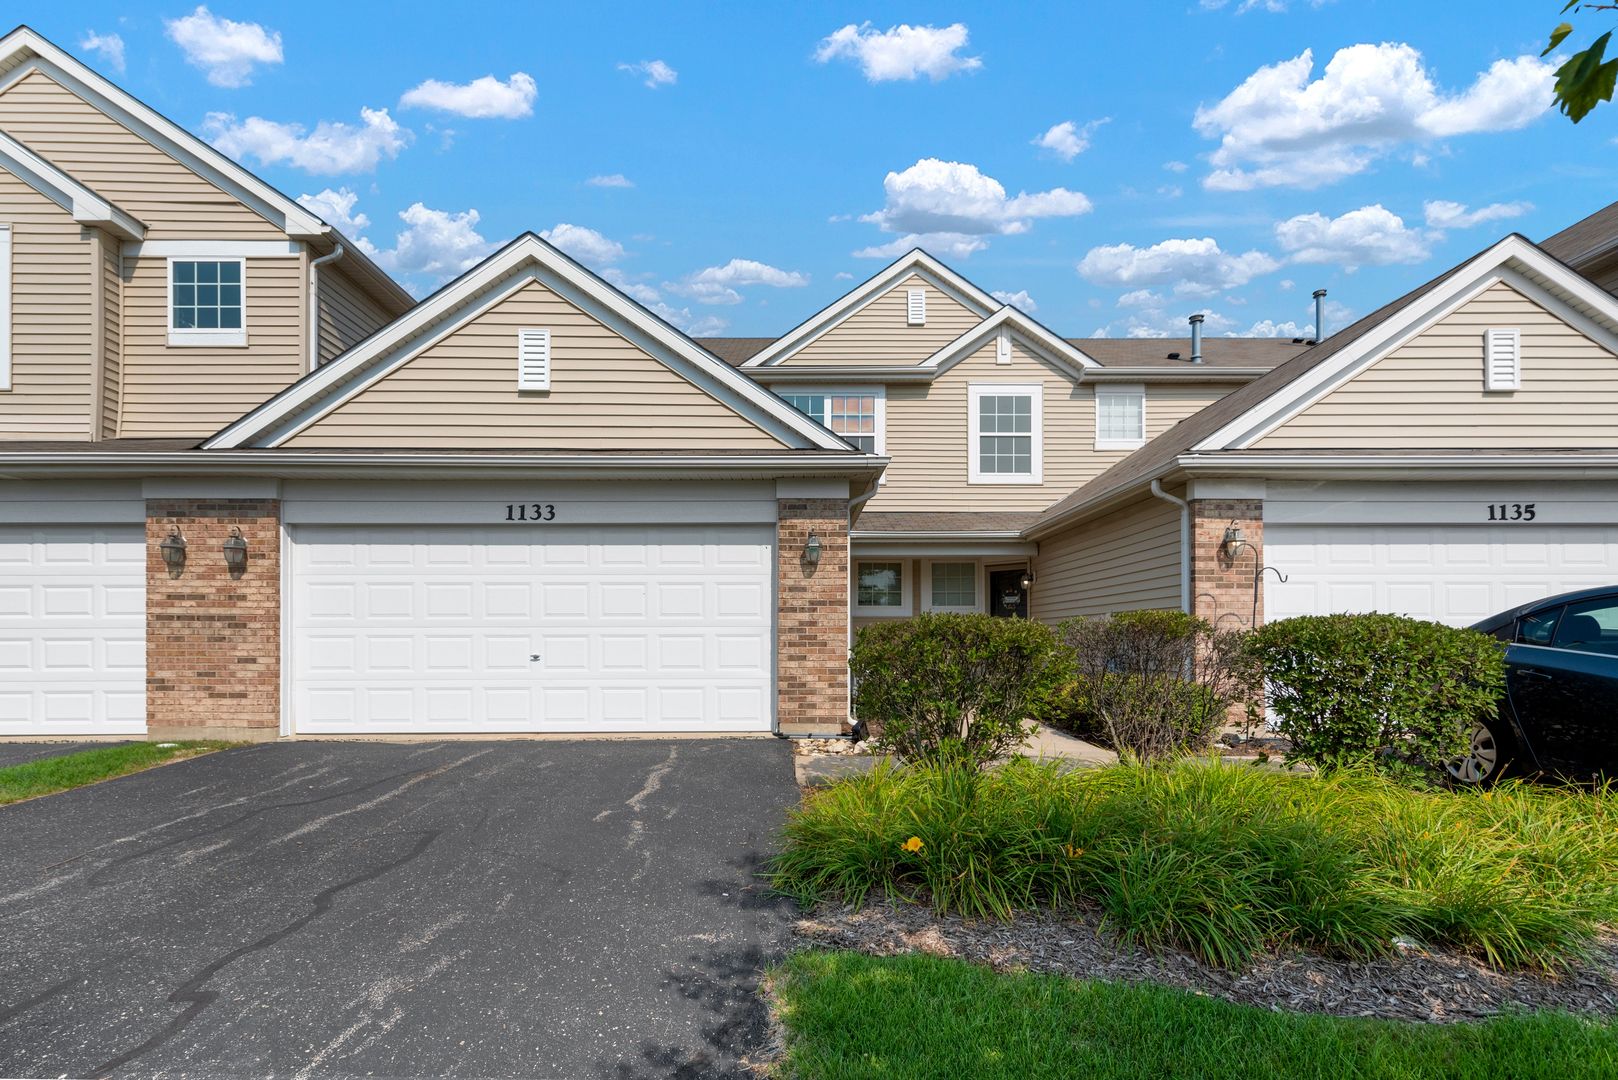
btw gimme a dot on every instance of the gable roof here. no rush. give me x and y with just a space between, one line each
25 49
85 205
1237 355
916 262
1241 417
1586 240
1010 319
527 258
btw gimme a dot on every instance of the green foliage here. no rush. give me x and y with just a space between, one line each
955 686
1154 685
1380 690
1222 860
910 1017
1587 77
47 776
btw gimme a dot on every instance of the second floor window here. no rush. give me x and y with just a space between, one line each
206 302
855 415
1120 417
1005 434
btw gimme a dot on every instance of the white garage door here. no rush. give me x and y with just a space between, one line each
550 628
1452 573
72 630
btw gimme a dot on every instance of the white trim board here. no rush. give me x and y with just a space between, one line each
87 207
1034 336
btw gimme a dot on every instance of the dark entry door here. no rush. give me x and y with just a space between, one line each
1007 597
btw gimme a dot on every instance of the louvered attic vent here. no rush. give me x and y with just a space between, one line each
916 311
1502 359
533 359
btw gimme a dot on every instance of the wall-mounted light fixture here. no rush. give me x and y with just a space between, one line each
1232 543
811 551
173 550
235 551
1027 579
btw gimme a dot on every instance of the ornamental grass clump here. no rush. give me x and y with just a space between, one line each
1220 860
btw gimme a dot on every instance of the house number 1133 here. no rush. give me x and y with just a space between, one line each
530 512
1511 511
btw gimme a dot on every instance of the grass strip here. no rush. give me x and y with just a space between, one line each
47 776
851 1015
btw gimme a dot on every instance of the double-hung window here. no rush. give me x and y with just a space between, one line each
1005 444
1120 417
881 587
856 414
952 586
207 302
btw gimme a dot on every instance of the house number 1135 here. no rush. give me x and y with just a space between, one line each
1511 511
530 512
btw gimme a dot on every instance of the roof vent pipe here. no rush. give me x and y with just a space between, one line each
1320 314
1196 338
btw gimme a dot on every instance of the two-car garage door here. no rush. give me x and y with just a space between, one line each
547 628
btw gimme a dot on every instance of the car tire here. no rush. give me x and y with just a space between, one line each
1486 760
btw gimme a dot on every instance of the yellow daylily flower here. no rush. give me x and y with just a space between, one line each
912 844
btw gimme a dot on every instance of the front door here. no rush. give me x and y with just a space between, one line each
1007 597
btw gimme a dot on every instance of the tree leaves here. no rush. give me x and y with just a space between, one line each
1586 79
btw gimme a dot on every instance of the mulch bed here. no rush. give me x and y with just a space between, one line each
1412 985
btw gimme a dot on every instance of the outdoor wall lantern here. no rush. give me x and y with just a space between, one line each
1028 579
1231 545
173 550
811 551
235 551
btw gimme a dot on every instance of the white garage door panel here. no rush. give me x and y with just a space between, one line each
72 630
437 629
1456 574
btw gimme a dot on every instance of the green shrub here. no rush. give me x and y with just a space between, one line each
1223 860
1154 685
1383 690
962 687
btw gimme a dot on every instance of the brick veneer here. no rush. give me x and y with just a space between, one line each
213 639
812 618
1221 588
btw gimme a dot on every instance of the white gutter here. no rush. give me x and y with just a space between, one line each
314 302
1185 543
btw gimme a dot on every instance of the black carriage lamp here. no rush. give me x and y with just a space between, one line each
1027 579
235 551
173 550
811 551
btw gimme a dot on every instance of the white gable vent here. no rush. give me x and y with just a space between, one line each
1502 359
533 359
916 309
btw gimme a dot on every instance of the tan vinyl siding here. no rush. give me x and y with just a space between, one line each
111 334
1123 561
171 200
172 391
347 314
52 282
928 431
1428 394
606 393
879 334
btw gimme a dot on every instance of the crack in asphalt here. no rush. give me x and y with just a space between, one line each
196 999
38 999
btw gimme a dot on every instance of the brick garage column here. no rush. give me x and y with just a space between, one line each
1221 587
213 636
812 618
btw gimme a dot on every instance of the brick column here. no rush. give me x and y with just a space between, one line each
1222 588
213 636
812 618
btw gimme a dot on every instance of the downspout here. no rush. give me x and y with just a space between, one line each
314 302
1185 542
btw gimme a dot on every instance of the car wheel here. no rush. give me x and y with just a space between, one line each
1484 761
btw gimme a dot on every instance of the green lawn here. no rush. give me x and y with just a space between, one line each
850 1015
50 775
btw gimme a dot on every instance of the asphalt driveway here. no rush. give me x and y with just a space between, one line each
456 909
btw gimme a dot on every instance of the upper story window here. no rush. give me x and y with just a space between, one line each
1120 417
207 302
856 415
1005 442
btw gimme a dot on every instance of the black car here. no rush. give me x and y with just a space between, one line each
1560 714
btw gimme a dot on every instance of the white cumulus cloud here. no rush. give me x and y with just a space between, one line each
481 99
1444 214
719 284
946 206
584 244
900 53
1370 236
612 180
944 245
1192 267
1281 127
1019 300
436 244
110 47
332 147
1068 140
337 208
654 73
225 50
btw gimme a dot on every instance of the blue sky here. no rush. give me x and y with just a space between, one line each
737 166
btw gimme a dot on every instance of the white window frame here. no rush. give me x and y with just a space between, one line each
200 338
5 305
979 590
1036 411
1121 390
906 588
826 393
